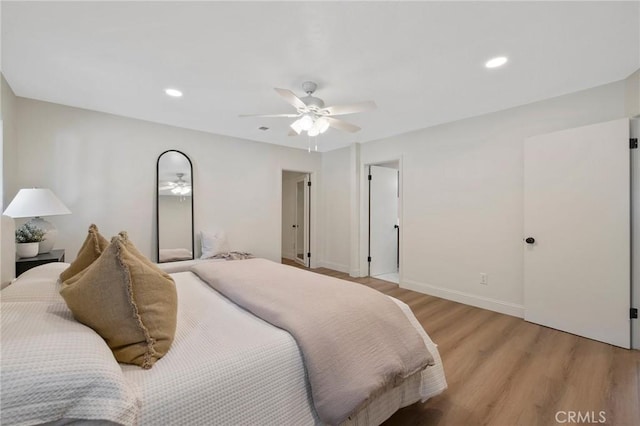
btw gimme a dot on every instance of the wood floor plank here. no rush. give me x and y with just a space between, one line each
504 371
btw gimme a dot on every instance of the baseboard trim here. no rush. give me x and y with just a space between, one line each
500 306
335 266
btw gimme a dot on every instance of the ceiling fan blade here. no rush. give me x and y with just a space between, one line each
350 108
292 133
291 98
270 115
342 125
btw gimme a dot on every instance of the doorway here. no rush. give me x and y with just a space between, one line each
384 222
296 217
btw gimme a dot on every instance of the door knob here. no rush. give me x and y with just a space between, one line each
530 240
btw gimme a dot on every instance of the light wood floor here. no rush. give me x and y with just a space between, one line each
505 371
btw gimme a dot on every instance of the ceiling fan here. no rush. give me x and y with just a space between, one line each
312 115
177 187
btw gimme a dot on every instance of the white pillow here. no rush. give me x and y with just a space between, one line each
213 243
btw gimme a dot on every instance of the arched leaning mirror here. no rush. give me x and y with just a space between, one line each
174 207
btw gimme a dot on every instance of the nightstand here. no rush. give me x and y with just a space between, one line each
26 263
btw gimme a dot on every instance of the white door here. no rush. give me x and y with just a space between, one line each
299 237
577 208
383 210
302 221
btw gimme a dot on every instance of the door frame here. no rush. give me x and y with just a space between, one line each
634 132
313 209
363 246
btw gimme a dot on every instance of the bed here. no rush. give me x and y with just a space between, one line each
174 254
226 366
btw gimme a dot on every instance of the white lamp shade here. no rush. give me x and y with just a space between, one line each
296 126
35 202
323 124
306 122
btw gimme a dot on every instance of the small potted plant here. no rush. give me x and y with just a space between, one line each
28 238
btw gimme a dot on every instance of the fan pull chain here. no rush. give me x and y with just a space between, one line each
309 141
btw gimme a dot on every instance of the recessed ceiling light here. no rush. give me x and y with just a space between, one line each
173 92
496 62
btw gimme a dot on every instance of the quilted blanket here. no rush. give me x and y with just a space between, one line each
355 341
54 368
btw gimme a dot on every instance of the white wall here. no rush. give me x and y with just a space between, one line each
9 141
8 154
632 95
103 168
462 195
355 209
335 209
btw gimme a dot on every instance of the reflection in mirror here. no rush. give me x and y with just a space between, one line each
174 207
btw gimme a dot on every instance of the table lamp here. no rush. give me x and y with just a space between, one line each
38 202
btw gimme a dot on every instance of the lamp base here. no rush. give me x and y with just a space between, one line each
50 234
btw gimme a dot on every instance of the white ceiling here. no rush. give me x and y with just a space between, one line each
421 62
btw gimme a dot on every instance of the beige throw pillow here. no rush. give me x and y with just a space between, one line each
128 300
91 249
135 252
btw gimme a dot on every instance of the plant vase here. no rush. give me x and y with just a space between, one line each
27 249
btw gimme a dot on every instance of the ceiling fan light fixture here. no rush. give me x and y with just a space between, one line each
296 126
312 116
179 187
306 122
322 124
181 190
319 126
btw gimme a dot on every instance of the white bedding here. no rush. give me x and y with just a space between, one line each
239 369
183 265
51 365
227 366
174 254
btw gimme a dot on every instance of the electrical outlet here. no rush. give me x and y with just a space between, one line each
484 279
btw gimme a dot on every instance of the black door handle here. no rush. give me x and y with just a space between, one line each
530 240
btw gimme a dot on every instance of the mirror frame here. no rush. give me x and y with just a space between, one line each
193 253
